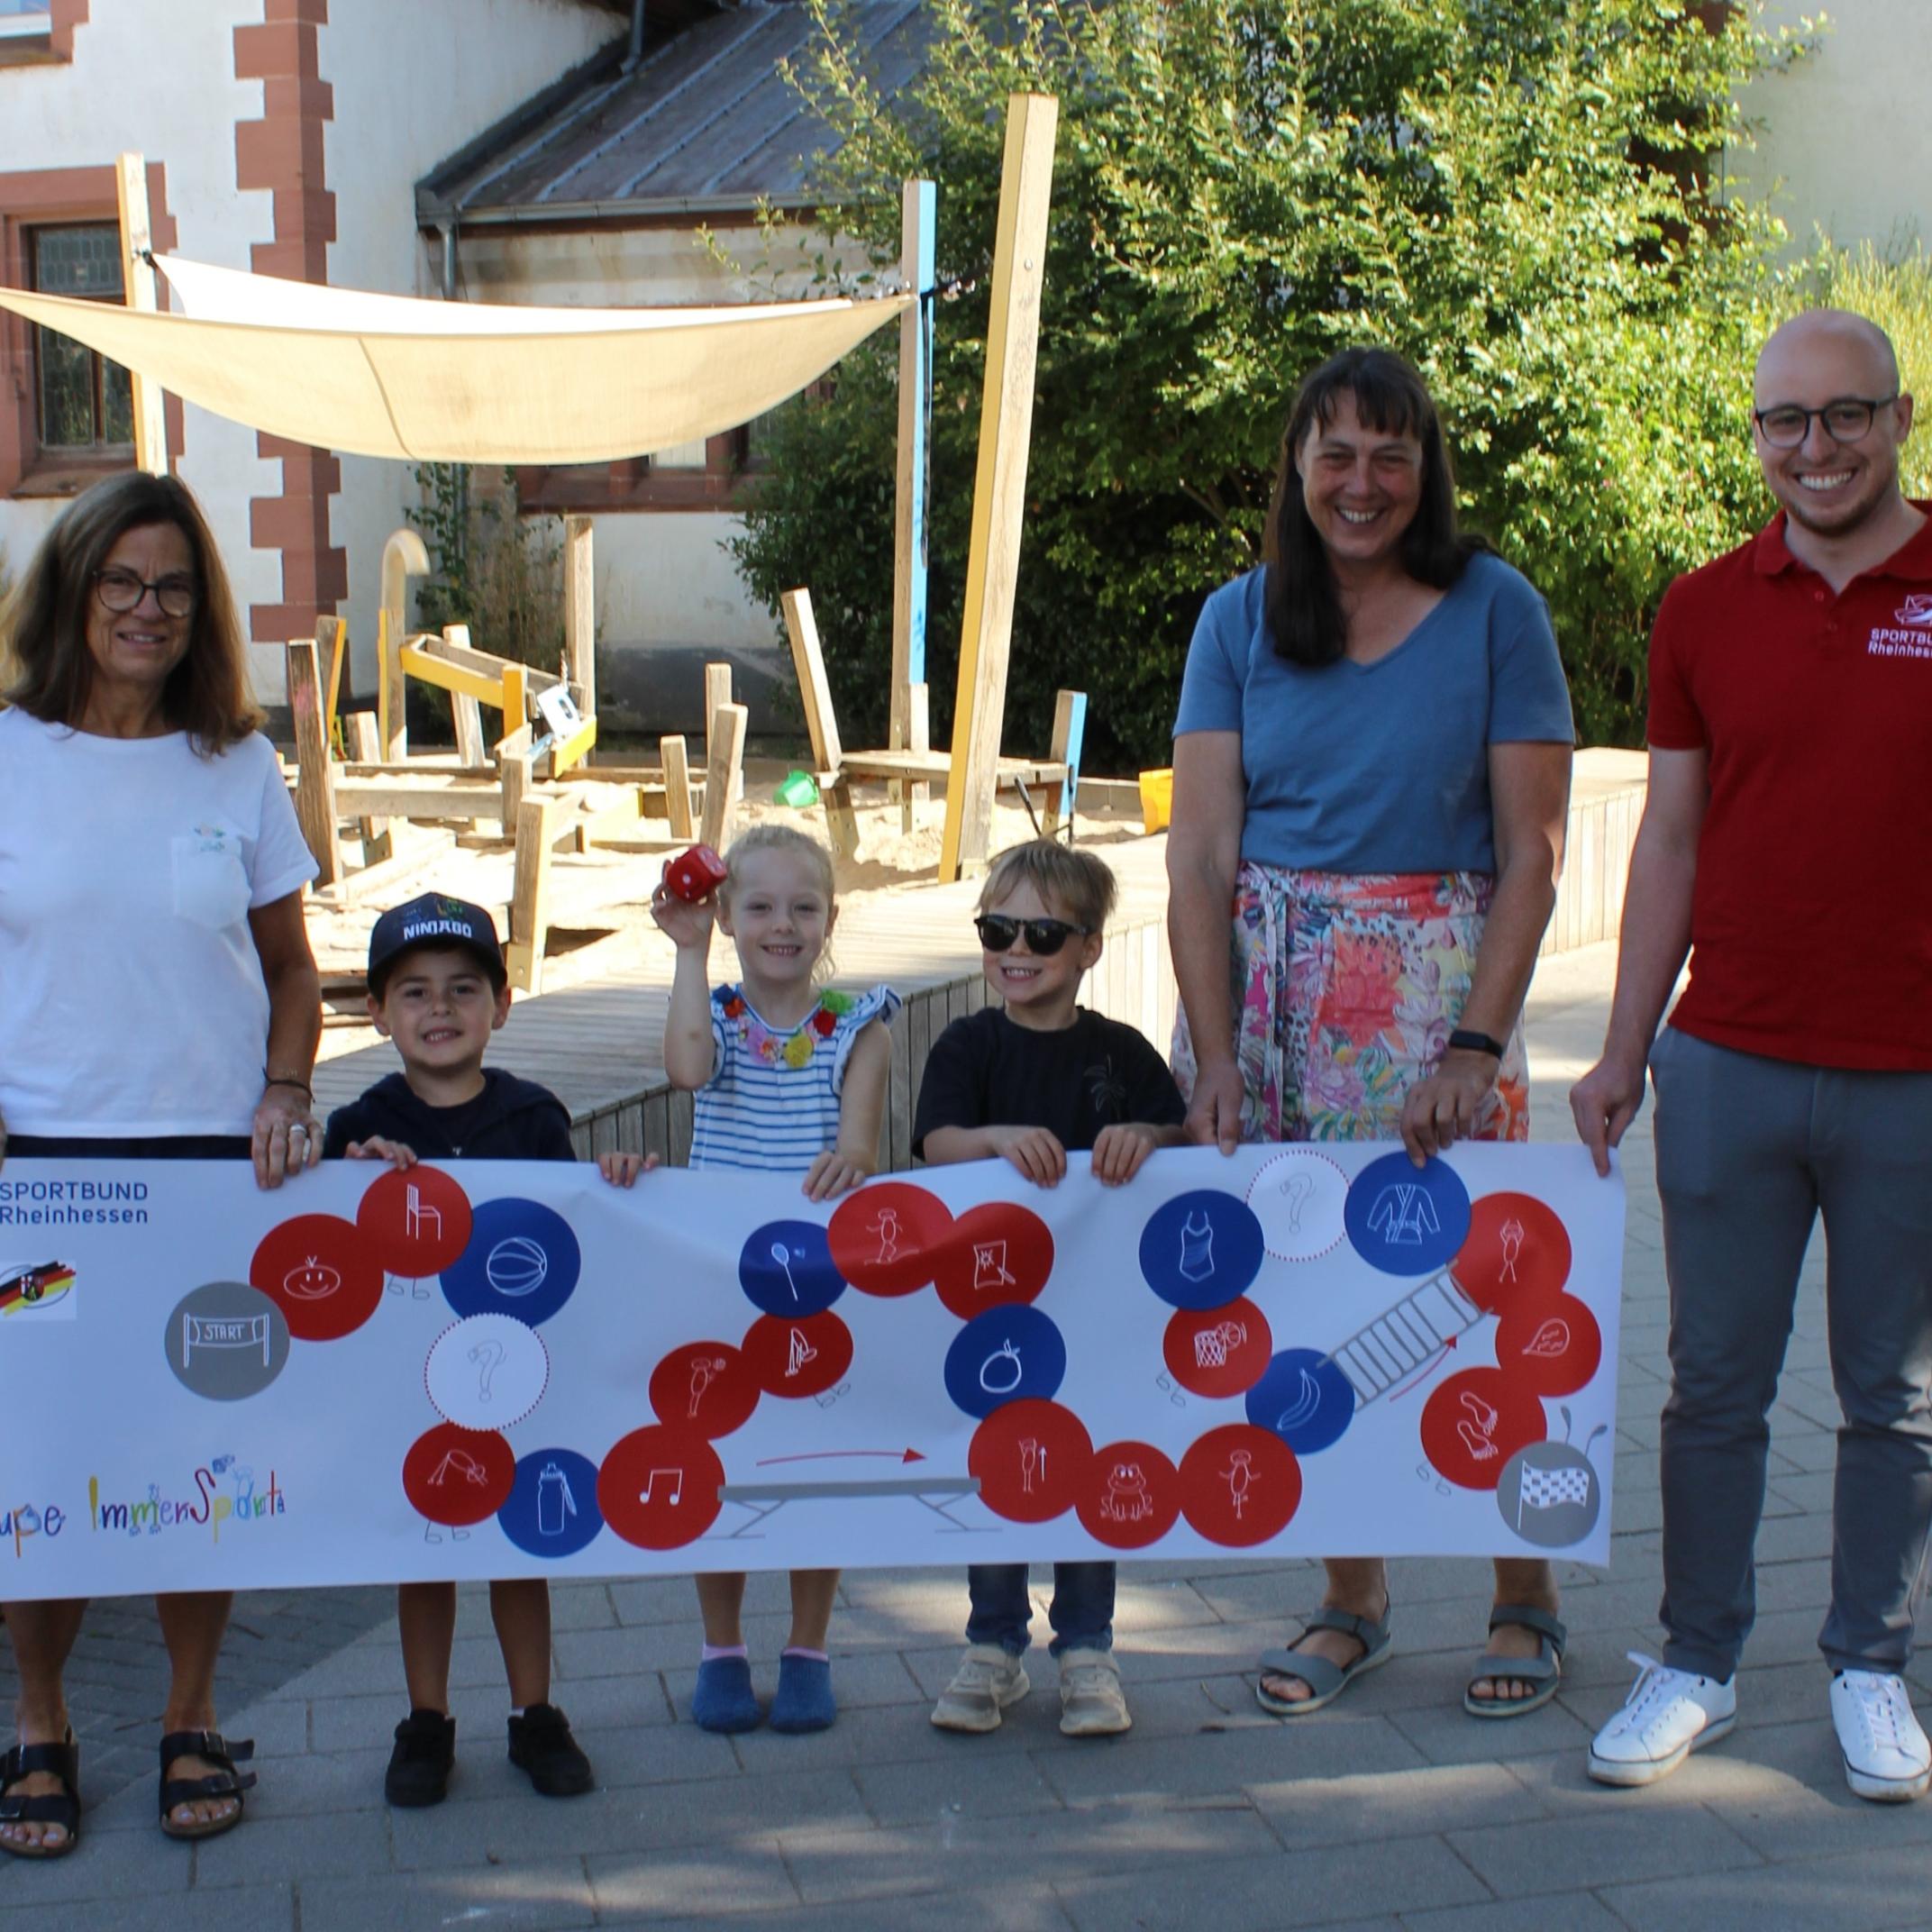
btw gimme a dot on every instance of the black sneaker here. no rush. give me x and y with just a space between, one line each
425 1756
540 1744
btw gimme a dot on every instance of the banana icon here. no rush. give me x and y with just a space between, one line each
1307 1399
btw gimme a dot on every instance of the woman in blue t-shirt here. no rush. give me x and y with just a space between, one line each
1372 766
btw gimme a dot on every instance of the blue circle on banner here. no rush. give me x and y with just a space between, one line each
1002 1356
786 1268
1201 1250
1406 1219
522 1260
1304 1397
552 1509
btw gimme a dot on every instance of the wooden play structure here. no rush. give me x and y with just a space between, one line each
373 811
532 783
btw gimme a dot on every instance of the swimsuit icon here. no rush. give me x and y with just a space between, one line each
1197 1247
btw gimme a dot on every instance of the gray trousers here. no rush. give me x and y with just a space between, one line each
1750 1152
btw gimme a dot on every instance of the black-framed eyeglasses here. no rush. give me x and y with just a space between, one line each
122 591
1847 418
1044 937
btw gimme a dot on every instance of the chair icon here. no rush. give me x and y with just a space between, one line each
419 1221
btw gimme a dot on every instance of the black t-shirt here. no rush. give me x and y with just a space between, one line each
986 1072
511 1119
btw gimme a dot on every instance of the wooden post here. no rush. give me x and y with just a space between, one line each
365 747
820 721
465 713
315 775
536 833
724 769
331 646
403 557
676 787
513 756
917 222
140 290
717 692
580 612
999 483
1070 733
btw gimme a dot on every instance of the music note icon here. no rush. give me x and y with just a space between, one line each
674 1477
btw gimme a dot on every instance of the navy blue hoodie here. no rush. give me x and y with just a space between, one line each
511 1119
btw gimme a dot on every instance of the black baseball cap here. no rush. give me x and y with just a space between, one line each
434 920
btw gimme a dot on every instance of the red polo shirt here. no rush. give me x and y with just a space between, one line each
1811 921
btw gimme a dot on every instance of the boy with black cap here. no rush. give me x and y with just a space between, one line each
438 988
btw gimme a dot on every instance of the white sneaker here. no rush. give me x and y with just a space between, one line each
1886 1756
1091 1702
988 1680
1668 1715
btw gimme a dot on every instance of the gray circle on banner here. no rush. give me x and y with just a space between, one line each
226 1340
1549 1495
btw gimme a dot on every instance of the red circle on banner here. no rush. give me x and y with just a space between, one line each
659 1488
1240 1485
1474 1422
457 1476
801 1357
415 1221
1218 1351
1032 1459
707 1387
887 1238
317 1270
1132 1495
995 1255
1551 1346
1516 1251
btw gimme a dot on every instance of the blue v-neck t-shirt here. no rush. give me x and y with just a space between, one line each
1382 767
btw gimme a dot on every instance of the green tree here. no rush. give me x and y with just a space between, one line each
1522 196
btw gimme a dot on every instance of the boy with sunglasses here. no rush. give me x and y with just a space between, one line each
1028 1081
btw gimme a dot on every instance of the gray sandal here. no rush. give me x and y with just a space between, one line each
1543 1670
1326 1680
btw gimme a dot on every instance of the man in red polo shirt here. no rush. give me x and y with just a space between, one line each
1787 847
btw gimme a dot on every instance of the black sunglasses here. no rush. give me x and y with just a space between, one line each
1044 937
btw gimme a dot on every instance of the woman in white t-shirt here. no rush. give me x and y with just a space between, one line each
158 998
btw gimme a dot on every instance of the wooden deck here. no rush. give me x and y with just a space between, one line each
595 1043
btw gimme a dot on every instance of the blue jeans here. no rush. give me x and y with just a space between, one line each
1082 1612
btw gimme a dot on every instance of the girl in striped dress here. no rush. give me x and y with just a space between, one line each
788 1078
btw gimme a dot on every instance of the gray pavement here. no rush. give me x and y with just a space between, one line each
1394 1810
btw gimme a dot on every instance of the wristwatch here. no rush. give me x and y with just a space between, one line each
1469 1041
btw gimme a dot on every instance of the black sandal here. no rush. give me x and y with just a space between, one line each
60 1807
221 1782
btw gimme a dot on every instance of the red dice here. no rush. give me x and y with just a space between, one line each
694 875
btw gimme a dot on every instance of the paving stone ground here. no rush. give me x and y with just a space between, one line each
1394 1812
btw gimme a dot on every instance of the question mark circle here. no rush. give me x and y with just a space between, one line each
487 1372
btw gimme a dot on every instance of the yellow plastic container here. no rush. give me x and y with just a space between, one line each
1157 799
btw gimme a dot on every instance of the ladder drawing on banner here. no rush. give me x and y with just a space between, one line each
1406 1337
225 1331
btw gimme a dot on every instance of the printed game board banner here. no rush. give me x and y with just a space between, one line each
509 1369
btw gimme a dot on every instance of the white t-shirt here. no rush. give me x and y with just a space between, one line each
132 1000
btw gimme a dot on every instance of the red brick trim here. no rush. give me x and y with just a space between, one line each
68 14
56 47
31 199
282 152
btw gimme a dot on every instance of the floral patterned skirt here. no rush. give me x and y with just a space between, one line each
1345 990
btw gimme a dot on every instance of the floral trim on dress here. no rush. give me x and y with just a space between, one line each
795 1046
1346 990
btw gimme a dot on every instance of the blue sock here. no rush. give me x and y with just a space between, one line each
723 1699
804 1701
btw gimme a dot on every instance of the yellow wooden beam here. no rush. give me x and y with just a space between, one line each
142 292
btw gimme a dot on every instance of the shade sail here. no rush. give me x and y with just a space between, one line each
391 376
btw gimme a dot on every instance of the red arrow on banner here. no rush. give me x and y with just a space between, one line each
819 1456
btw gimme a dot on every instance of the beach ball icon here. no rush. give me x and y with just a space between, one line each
516 1266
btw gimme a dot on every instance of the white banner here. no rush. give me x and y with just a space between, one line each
511 1369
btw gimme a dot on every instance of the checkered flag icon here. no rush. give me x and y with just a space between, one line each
1547 1489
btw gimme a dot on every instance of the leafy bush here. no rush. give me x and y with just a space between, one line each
1511 191
492 569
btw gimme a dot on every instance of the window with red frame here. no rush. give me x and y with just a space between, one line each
84 403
